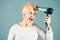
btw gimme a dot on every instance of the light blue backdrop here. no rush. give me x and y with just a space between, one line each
10 13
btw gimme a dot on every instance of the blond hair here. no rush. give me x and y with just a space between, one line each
29 6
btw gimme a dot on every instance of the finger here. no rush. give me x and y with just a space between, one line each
46 17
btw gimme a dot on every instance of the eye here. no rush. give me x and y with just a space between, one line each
30 12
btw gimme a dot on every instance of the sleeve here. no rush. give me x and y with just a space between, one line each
41 33
45 35
11 35
49 34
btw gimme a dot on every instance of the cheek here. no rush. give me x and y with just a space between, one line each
34 17
27 15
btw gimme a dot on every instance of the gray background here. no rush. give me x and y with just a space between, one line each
10 13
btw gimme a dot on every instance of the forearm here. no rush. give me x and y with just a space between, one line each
49 33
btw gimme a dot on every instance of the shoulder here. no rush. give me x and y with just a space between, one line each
13 27
36 25
39 28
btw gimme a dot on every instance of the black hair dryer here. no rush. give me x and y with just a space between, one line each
48 11
45 10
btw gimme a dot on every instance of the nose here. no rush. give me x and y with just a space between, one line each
32 16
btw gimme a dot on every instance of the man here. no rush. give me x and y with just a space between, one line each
27 30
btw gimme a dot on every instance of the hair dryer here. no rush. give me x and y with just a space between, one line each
45 10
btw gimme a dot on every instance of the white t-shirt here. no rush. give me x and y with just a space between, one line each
29 33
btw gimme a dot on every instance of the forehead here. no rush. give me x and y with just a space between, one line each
30 11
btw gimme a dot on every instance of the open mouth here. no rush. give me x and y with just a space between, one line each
30 19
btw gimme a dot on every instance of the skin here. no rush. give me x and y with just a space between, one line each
29 16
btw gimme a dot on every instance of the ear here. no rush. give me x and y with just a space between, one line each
23 14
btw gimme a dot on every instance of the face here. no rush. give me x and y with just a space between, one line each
29 15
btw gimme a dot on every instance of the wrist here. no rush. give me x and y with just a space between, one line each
48 27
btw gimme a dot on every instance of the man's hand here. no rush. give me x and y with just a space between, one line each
48 21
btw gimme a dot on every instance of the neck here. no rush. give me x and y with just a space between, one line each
26 23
